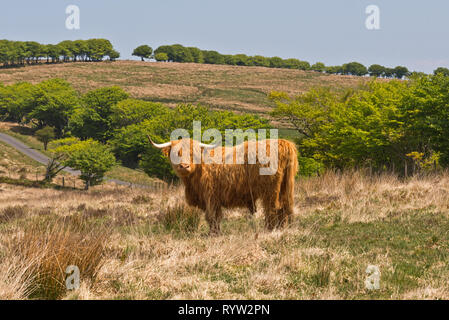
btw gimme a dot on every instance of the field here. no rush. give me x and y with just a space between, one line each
141 243
240 89
137 244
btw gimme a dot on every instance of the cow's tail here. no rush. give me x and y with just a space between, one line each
288 193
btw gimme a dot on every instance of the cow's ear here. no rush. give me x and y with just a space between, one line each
166 151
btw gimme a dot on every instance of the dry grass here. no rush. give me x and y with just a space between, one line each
180 218
12 212
222 87
343 223
49 248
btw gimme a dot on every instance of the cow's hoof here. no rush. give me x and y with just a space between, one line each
214 233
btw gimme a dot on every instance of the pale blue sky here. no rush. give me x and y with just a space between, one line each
413 33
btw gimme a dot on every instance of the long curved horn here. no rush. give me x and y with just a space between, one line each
160 146
207 146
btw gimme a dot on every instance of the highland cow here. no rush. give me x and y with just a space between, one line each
230 184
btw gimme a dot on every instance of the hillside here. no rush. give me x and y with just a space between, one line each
241 89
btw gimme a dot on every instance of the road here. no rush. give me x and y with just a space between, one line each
41 158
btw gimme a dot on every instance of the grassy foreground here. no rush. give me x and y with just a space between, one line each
137 244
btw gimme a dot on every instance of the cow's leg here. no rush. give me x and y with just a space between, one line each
284 215
252 206
214 215
271 212
272 205
286 211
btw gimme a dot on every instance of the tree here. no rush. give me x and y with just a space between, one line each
304 65
52 52
416 74
197 54
161 56
67 49
230 59
143 51
400 72
80 49
133 111
7 52
334 69
386 125
54 102
295 64
389 72
156 165
181 53
427 115
241 60
318 67
92 118
97 49
91 157
54 167
30 52
45 135
376 70
130 143
354 68
213 57
17 101
276 62
168 50
442 70
114 55
259 61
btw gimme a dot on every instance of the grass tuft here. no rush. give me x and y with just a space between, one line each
51 248
180 218
12 212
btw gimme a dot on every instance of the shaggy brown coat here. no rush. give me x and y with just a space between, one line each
212 187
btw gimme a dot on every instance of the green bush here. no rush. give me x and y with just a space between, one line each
92 158
378 126
309 167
